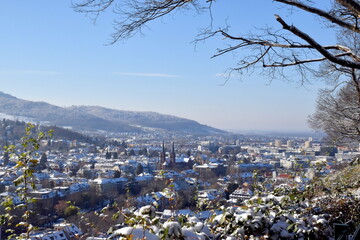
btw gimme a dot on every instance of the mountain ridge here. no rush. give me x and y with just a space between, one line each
95 118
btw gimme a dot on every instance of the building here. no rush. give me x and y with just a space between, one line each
290 144
162 156
278 143
308 143
241 194
210 169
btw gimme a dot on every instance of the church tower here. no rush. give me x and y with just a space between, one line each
162 154
172 155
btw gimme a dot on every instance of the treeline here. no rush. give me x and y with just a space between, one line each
63 133
12 131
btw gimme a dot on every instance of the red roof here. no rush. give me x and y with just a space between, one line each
284 175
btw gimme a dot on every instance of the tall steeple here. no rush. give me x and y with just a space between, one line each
163 154
172 155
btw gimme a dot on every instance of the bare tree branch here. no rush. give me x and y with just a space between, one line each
322 13
93 5
317 46
351 5
302 61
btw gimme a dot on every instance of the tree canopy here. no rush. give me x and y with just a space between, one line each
338 114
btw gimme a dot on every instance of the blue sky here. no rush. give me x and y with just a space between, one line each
50 53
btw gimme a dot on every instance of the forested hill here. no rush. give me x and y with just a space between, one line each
94 118
14 130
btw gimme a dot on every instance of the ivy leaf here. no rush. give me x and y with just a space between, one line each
19 164
291 226
115 216
34 161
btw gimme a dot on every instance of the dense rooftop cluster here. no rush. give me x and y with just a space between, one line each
187 187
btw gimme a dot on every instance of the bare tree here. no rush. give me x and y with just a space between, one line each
338 114
338 109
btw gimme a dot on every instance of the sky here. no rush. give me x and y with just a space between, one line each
50 53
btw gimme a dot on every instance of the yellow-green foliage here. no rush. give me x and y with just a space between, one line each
344 181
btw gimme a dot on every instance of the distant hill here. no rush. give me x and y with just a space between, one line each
95 118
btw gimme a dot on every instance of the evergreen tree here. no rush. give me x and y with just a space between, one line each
131 152
43 162
6 158
139 169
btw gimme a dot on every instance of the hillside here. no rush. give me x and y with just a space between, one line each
147 120
12 131
94 118
342 182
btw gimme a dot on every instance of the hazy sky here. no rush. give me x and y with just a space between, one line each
50 53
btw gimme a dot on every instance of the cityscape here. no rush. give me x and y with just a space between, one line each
180 120
81 183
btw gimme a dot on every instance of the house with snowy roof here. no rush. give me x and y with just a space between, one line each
144 177
44 193
208 194
48 235
240 194
45 197
145 200
71 230
218 169
108 185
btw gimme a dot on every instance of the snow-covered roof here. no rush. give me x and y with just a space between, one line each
144 177
108 180
49 235
77 187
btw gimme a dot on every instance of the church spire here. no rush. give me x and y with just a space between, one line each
172 155
162 154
